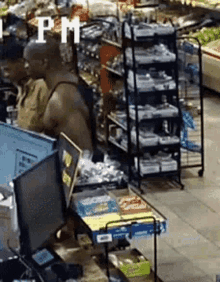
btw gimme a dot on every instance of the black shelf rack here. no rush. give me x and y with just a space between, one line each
154 97
191 94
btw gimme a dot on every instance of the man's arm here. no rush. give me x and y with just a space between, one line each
52 116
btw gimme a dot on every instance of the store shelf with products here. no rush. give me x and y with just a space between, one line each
154 115
132 221
111 213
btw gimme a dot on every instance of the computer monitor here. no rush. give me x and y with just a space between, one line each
69 154
40 202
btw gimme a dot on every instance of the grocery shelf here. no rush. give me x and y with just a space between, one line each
112 43
156 92
155 37
175 118
112 140
138 96
113 71
117 122
156 65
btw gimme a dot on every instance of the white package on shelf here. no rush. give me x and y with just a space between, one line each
145 83
166 110
168 165
149 139
166 140
144 112
147 166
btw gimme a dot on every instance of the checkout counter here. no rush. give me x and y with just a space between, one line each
46 200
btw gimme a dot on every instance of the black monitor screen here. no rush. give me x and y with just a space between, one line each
41 203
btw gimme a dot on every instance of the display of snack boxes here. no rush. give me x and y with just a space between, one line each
131 262
136 222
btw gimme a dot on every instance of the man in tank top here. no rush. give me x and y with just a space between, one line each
66 110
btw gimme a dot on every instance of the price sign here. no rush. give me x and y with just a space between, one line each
104 238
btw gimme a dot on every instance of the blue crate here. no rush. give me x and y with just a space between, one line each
20 149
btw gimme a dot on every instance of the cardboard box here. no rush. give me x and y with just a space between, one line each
96 205
132 263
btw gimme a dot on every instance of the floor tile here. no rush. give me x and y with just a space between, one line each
199 183
196 214
184 238
212 234
175 197
200 251
211 197
210 266
165 253
179 271
206 278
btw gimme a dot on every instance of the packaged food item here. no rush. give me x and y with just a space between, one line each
143 30
166 140
145 82
96 205
169 165
144 112
133 204
145 138
166 110
148 166
131 262
163 81
157 53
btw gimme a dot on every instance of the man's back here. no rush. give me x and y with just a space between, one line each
66 112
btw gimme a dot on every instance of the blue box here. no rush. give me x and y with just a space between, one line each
96 205
20 149
133 231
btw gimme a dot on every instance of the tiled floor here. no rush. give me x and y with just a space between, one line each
190 251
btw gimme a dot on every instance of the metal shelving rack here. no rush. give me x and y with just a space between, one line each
155 97
191 95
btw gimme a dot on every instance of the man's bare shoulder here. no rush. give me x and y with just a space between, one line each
67 91
40 83
66 87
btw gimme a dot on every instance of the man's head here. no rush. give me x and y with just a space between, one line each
41 57
12 64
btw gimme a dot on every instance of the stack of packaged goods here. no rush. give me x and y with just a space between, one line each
151 81
100 206
143 30
161 162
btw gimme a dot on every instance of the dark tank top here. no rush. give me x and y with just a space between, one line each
87 96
